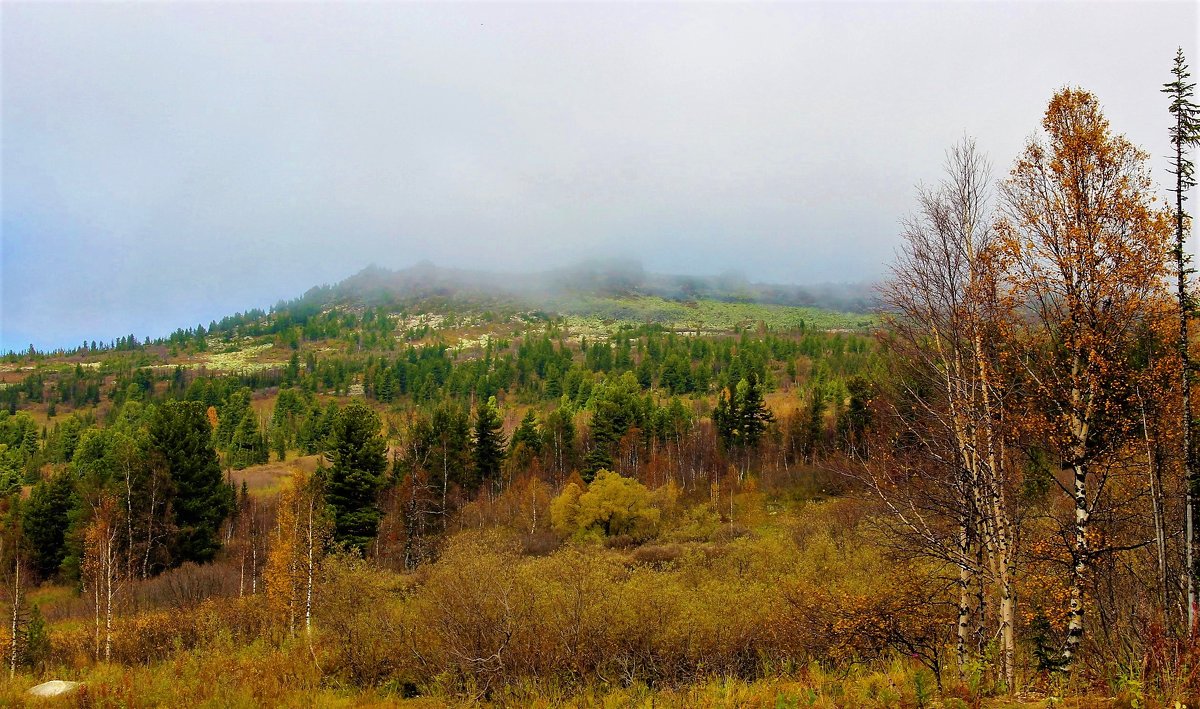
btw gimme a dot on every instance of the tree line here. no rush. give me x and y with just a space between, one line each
1035 432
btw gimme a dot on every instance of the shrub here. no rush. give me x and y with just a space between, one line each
612 506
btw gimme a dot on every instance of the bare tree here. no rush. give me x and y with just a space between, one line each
942 304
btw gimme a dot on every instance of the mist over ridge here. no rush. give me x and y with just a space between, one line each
618 277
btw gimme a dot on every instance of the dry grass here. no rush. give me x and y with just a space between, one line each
267 479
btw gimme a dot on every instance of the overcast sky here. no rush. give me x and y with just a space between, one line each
165 164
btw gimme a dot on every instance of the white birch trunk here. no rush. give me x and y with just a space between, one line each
309 591
16 615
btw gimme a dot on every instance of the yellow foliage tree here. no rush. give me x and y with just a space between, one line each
613 505
301 532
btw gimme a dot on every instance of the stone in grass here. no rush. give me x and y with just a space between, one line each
54 688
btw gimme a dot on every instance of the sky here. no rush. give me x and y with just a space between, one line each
163 164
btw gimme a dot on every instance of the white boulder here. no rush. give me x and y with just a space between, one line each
54 688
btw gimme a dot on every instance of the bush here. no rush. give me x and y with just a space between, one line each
612 506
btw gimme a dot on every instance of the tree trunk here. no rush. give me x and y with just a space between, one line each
1156 509
16 614
964 601
1190 472
1075 625
309 591
111 559
1008 639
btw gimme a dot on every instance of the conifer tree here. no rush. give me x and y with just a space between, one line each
359 459
488 453
527 434
249 445
1185 134
181 434
46 519
741 417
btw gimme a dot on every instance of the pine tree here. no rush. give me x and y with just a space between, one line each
741 418
231 416
181 434
753 416
249 445
724 419
46 520
1185 133
488 451
359 459
527 434
616 407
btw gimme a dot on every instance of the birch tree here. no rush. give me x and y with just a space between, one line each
1085 252
302 532
942 306
102 569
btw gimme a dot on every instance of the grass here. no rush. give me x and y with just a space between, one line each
267 479
243 677
245 359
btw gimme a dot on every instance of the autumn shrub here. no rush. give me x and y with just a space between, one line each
187 586
358 623
489 622
469 612
148 637
658 555
612 506
522 507
484 617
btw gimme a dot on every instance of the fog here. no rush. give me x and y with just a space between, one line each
164 164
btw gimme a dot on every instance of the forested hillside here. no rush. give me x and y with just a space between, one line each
607 488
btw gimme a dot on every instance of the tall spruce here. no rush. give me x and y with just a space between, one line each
47 516
181 434
1185 133
742 418
488 452
359 459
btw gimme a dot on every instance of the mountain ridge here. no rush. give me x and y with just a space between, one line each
607 278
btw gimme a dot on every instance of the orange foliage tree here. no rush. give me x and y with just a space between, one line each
1085 263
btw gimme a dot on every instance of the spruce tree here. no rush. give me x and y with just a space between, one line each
46 520
249 445
181 434
752 412
359 460
527 434
742 417
488 451
1185 134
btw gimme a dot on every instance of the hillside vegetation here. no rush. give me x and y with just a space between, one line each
608 488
